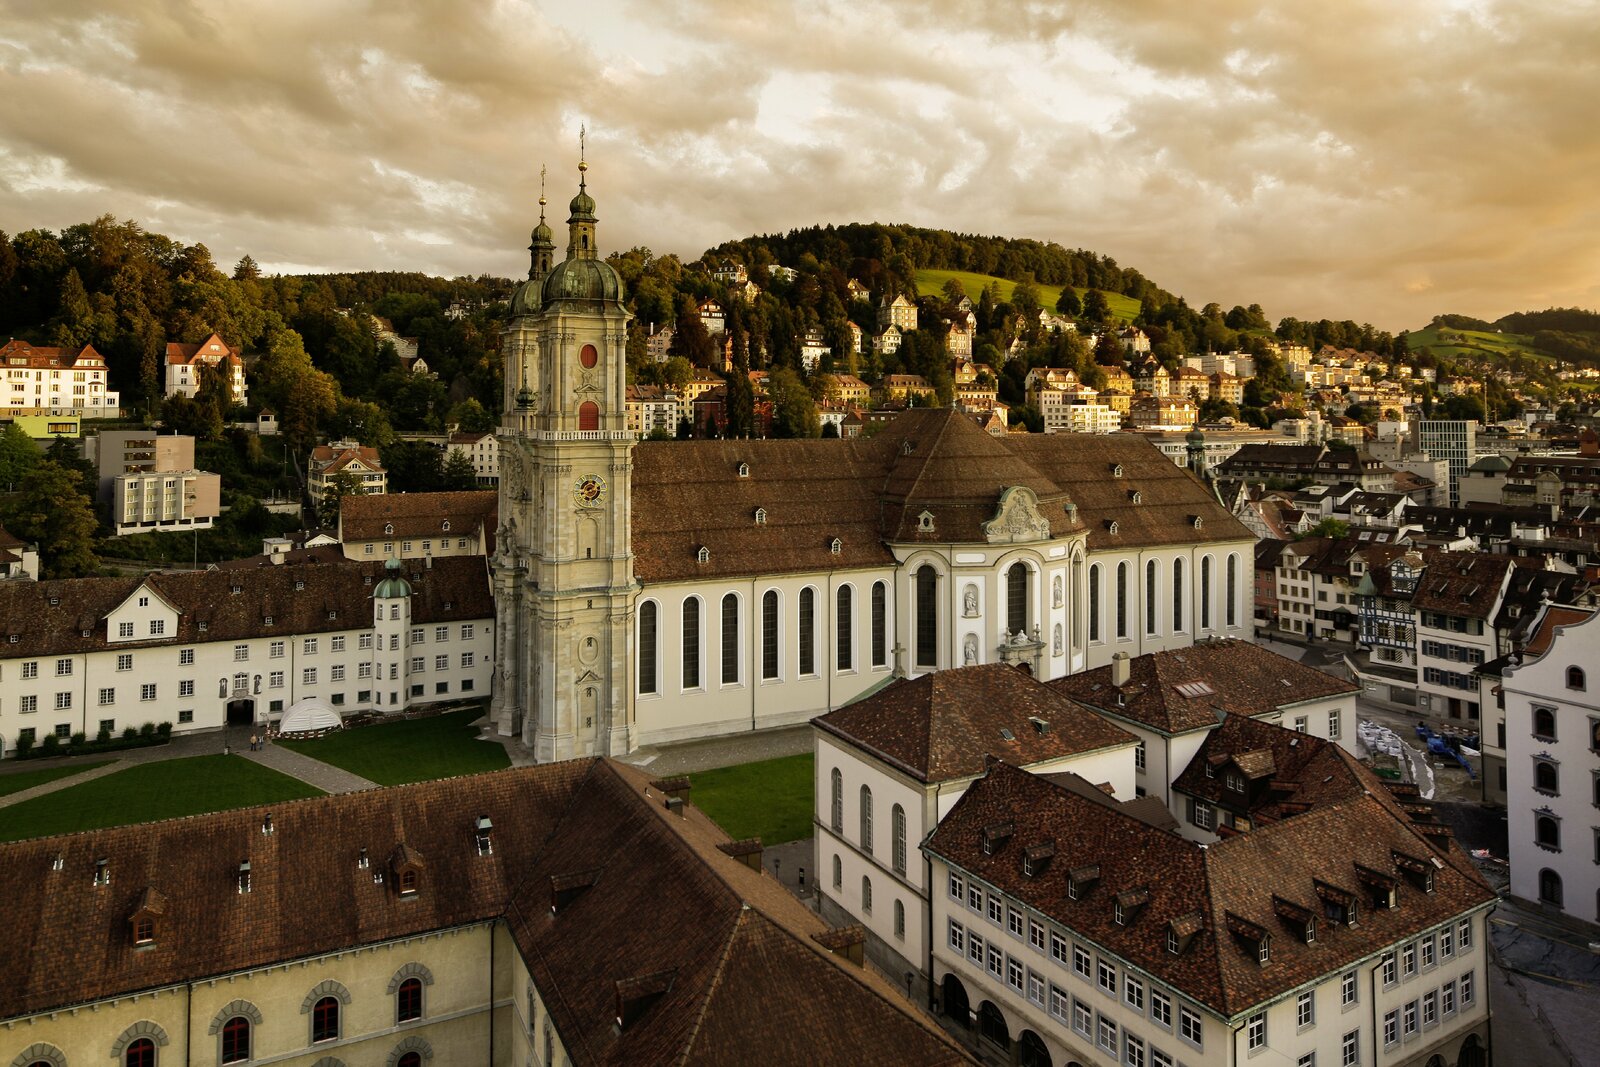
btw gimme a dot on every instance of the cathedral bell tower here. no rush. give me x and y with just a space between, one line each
563 565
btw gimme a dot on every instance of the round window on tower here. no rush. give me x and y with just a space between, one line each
588 357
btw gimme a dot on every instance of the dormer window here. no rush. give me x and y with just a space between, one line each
744 470
244 876
1116 470
1135 497
1235 781
1172 941
1198 522
481 836
704 555
266 823
1112 527
925 522
995 836
102 871
761 516
144 930
408 882
835 546
1080 880
388 527
446 526
299 585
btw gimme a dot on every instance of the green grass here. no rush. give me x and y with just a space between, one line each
771 799
166 789
16 783
931 283
414 750
1472 343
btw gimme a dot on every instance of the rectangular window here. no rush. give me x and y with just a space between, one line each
1430 1007
124 663
336 673
1408 1018
275 650
808 631
1427 951
1408 960
1014 972
996 961
158 627
1058 948
1080 962
975 948
29 704
1060 1006
1133 992
1082 1017
1307 1060
416 635
1447 997
1161 1009
1108 1034
1189 1026
1333 725
1036 935
1132 1051
241 653
308 676
336 644
1447 943
1138 757
975 898
466 632
441 633
1160 1059
185 657
309 646
1256 1031
365 642
418 664
1305 1010
1106 977
186 688
185 717
1464 934
275 680
1390 975
63 668
1035 987
468 659
1350 1050
364 670
730 640
124 629
1347 989
1466 989
1391 1029
441 663
997 911
1014 922
958 937
64 701
108 696
957 889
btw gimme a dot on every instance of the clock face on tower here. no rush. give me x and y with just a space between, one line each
589 491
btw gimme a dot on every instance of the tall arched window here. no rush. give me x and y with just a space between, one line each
1231 595
866 895
1205 592
1547 832
897 826
236 1040
408 1001
837 812
141 1053
588 416
1094 602
838 872
769 634
647 647
1177 596
1150 596
808 631
730 640
927 591
325 1020
1544 724
866 820
691 642
1122 599
900 919
414 1059
1544 777
1017 599
880 624
1549 887
1575 679
842 629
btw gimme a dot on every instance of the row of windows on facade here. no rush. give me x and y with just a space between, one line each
405 546
236 1029
309 645
897 822
866 898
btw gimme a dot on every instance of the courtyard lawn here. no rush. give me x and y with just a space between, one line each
931 283
413 750
165 789
770 799
16 783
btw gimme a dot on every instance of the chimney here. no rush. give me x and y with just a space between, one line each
675 790
747 851
1119 669
847 942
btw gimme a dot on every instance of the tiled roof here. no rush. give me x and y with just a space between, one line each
1190 688
363 517
944 725
1208 892
51 617
727 953
1461 583
181 353
1286 770
1554 617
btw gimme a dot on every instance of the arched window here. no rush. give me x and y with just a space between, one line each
1230 595
142 1053
866 820
691 643
588 416
927 590
1094 602
866 895
1549 887
880 624
1122 599
837 812
325 1020
236 1040
1575 678
808 631
1205 593
1150 597
897 826
408 1001
730 640
769 634
647 647
1547 832
1177 596
845 638
1544 724
414 1059
1017 599
1544 777
838 873
900 919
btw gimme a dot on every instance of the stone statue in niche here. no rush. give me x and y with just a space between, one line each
969 650
1056 644
969 601
1056 599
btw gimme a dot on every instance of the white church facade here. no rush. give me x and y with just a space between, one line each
648 592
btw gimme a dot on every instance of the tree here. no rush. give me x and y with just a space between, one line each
1329 527
469 416
830 429
1068 303
794 412
335 490
18 456
413 466
953 290
458 473
1096 308
246 270
52 510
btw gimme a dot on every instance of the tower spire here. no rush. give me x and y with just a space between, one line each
581 222
583 167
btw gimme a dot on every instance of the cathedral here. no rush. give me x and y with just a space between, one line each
649 592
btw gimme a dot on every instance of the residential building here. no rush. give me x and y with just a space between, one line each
899 311
1063 413
1453 440
813 349
165 501
202 649
658 343
54 383
901 387
1194 384
711 316
49 427
729 272
417 525
18 559
481 450
851 391
490 919
1163 413
352 458
187 365
118 452
1149 376
1225 386
1135 342
959 340
887 343
1040 379
653 409
857 291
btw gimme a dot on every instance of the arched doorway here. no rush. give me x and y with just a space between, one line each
1031 1051
1471 1053
956 1004
241 712
1435 1061
992 1026
1549 887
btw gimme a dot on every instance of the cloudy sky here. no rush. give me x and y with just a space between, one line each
1355 158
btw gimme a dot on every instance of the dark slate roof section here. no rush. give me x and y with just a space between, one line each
944 726
1244 876
363 516
725 970
1191 688
50 618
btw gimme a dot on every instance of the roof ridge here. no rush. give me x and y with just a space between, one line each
1211 906
714 984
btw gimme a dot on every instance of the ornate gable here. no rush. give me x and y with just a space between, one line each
1017 518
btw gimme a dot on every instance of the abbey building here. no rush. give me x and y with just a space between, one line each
648 592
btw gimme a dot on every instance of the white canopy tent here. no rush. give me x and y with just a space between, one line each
309 716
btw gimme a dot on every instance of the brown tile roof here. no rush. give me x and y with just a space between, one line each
1555 616
50 617
363 517
945 725
181 353
331 460
688 495
1190 688
1197 889
724 972
1285 770
44 357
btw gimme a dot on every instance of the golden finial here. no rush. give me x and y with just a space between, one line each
542 201
583 133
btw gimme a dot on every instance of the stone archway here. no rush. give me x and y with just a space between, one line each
955 1002
241 712
992 1026
1031 1051
1472 1054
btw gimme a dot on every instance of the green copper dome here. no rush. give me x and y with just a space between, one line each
583 279
392 585
525 300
